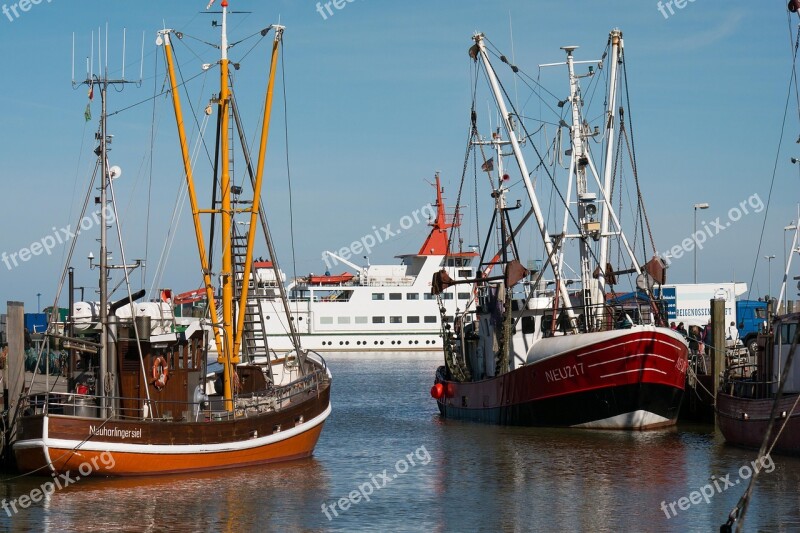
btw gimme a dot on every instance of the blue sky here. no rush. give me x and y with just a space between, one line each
378 100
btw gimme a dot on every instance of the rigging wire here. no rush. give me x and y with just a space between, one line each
150 177
792 81
288 166
541 159
738 513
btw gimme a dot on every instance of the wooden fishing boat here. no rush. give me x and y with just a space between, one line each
143 400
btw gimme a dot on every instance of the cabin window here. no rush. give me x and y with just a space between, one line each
787 333
528 325
547 324
361 320
412 296
430 320
395 296
761 312
412 320
377 296
429 296
465 273
326 320
447 296
463 296
379 320
448 319
395 320
343 320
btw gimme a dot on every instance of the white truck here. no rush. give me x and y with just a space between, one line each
690 303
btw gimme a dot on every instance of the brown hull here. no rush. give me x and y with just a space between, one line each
84 446
744 421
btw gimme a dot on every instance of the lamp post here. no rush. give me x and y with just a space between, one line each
38 302
696 207
769 259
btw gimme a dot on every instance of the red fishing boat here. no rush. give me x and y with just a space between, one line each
539 356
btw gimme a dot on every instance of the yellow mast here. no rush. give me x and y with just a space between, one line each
262 155
187 166
226 356
229 342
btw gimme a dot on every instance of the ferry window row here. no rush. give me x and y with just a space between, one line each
329 320
379 296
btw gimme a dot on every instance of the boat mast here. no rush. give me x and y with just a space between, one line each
523 168
165 39
616 47
101 382
226 356
592 294
227 335
106 383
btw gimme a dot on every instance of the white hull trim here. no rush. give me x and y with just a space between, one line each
150 449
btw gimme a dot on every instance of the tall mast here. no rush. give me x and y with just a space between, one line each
105 382
523 168
101 382
226 356
591 289
228 334
616 47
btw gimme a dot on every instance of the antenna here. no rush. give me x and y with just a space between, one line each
102 62
124 35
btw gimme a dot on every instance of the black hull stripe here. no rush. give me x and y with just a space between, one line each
578 408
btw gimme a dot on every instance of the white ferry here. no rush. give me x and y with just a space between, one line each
372 308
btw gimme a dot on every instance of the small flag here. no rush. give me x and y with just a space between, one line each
91 92
87 115
488 165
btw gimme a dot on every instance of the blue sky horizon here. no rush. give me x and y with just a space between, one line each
378 100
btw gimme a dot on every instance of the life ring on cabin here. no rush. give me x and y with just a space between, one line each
160 372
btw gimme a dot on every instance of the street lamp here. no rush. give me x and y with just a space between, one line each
38 302
769 259
696 207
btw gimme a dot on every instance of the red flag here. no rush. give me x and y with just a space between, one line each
91 92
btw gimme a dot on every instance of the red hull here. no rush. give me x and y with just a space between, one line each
625 379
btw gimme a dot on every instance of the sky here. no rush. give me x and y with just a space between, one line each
377 100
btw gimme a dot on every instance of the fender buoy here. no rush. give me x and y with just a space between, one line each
160 372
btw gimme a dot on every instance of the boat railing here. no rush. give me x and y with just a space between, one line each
124 408
744 380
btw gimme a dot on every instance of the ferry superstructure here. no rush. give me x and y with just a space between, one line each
371 308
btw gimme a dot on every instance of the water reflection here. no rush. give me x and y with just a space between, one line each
235 500
480 478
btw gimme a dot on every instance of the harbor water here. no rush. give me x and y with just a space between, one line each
386 461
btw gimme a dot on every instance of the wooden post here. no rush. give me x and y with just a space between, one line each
15 363
718 342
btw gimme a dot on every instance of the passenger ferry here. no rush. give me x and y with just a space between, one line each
371 308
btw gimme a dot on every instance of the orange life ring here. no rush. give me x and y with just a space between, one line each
160 372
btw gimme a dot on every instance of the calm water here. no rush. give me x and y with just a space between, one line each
442 476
